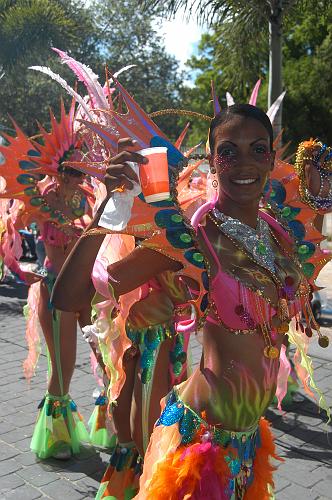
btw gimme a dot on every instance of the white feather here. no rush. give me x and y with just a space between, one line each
274 108
64 84
87 76
124 69
229 99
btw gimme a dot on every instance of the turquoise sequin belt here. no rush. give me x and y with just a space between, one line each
149 340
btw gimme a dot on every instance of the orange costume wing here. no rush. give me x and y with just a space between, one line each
27 162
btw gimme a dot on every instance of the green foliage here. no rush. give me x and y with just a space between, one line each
28 30
116 33
235 58
307 75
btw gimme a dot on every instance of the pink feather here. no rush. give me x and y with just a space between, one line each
283 374
88 77
254 94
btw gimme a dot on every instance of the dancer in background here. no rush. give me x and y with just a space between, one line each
59 201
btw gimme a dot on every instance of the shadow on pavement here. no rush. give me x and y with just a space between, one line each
12 308
88 463
303 430
11 289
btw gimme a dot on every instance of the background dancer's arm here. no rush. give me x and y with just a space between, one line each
74 289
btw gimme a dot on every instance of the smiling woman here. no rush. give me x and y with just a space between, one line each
241 142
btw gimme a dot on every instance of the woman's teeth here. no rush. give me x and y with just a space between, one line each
244 181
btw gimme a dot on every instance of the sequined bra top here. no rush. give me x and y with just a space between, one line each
236 306
56 236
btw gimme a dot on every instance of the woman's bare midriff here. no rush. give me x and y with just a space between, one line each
58 255
235 382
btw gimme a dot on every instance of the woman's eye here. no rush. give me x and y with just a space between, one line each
260 149
226 152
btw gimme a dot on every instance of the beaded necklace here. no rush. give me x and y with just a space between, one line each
255 241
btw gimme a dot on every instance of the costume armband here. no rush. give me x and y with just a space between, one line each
308 151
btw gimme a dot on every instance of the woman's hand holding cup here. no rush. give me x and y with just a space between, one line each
119 175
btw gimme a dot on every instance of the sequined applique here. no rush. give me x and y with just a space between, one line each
255 241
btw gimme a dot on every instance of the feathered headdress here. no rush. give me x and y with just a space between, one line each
27 161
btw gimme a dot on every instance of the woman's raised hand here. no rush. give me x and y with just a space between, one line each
119 175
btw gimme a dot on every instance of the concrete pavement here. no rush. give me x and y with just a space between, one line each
303 439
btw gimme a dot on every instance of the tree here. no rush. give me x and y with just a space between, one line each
307 57
28 30
246 16
101 33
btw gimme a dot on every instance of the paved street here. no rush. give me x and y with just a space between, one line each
303 439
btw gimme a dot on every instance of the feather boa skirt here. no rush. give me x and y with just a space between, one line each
200 470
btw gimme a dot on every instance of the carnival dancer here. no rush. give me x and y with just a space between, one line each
59 200
156 355
251 278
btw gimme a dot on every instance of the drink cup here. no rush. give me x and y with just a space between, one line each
154 175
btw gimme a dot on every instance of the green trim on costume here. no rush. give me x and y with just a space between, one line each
58 425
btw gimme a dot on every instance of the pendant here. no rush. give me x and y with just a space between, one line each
308 332
75 201
283 328
323 341
271 352
261 248
283 311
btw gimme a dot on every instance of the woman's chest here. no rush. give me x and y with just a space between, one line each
245 269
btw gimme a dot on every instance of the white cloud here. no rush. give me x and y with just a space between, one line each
180 35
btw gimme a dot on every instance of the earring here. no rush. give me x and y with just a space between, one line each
266 191
215 184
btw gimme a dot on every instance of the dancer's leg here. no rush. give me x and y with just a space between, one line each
59 429
122 474
59 380
121 411
146 402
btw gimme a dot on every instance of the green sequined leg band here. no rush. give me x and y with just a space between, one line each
100 435
121 479
59 429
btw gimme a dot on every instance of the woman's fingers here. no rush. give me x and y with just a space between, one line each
122 169
126 156
119 174
119 182
125 143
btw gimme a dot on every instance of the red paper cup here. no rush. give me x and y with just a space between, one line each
154 175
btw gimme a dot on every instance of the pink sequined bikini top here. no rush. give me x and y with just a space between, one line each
55 236
237 306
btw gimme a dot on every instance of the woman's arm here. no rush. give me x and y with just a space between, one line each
74 290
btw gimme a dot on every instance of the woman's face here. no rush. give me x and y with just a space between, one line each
242 159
